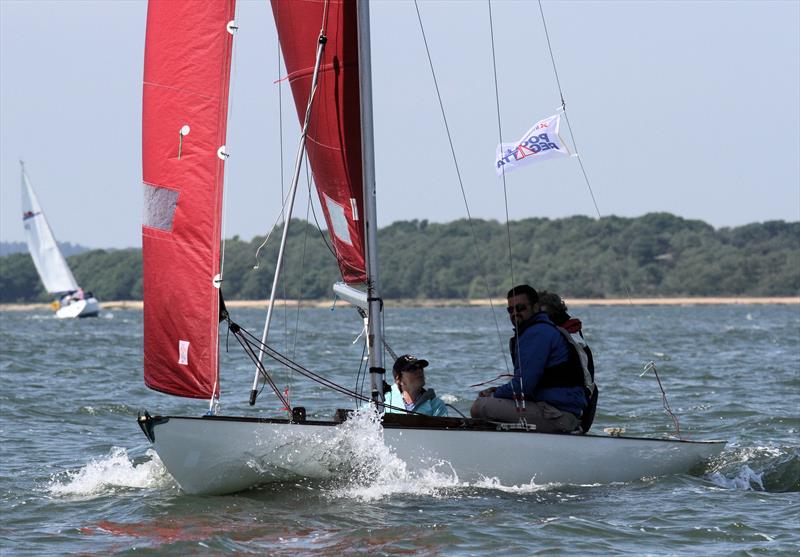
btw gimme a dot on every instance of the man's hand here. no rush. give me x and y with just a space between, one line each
487 392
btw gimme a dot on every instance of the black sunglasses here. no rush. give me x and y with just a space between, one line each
517 308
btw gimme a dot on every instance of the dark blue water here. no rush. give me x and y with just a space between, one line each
77 476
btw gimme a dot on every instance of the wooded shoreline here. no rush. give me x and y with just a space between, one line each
654 256
432 303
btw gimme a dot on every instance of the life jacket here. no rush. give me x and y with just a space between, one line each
577 370
569 373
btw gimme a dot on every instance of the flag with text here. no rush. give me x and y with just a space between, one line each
539 143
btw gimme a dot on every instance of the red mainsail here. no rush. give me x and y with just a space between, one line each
333 142
187 63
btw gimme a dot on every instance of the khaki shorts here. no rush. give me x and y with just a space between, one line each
546 418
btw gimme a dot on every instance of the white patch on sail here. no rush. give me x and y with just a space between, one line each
338 220
183 352
159 207
354 207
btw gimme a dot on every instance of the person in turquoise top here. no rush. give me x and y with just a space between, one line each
408 393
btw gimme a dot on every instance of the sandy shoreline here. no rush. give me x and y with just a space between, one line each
409 303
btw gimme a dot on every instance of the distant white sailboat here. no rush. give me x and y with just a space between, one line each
49 261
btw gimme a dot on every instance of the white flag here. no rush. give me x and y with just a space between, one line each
539 143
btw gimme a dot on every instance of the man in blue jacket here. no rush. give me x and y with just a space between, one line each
547 387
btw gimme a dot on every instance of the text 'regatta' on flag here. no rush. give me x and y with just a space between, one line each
539 143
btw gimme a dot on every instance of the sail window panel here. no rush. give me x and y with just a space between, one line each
159 207
339 224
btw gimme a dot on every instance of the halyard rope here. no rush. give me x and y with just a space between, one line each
479 259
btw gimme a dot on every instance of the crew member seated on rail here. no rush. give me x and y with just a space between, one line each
556 309
547 387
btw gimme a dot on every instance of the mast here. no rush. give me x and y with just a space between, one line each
377 371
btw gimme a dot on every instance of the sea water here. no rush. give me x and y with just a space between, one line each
78 477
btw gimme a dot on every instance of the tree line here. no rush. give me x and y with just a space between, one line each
657 254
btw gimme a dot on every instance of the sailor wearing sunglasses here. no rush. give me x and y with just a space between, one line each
547 387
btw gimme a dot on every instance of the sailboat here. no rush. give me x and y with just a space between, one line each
185 99
49 261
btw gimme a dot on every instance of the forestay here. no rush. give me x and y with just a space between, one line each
184 112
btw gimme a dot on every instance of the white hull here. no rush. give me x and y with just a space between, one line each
79 308
225 455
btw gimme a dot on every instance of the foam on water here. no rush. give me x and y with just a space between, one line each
375 472
494 483
747 480
763 468
110 473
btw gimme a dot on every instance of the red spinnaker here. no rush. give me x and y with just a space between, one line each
187 63
334 133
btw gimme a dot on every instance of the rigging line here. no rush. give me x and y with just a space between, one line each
360 389
302 279
325 16
282 177
652 366
248 348
461 184
300 293
280 166
215 394
280 358
571 134
271 230
284 360
521 400
314 214
231 99
253 341
564 109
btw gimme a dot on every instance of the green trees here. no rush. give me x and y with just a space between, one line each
19 281
654 255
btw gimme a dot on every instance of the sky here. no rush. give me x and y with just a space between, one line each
692 108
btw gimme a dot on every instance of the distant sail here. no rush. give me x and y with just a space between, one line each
187 64
334 132
47 257
539 143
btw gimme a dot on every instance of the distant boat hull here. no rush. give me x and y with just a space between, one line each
89 307
217 455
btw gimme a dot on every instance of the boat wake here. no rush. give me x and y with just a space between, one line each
361 466
109 474
369 470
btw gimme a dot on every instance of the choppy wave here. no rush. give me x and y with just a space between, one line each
771 469
111 473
